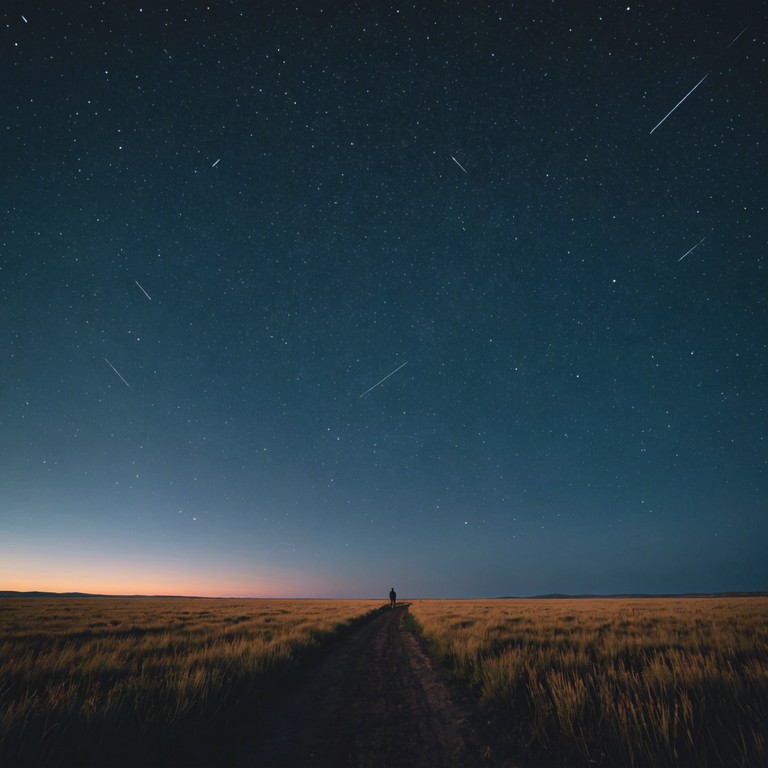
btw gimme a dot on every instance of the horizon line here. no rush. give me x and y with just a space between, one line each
10 593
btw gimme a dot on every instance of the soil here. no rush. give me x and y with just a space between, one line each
375 700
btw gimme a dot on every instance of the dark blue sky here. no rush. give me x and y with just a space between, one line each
222 224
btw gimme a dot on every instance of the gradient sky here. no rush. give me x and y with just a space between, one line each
223 224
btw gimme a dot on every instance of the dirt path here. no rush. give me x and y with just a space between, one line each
374 701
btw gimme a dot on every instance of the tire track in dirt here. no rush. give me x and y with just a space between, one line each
373 701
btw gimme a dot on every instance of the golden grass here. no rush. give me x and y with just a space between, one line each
139 681
636 683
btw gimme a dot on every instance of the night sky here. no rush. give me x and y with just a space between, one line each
224 226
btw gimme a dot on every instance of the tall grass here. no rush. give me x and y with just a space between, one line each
147 681
637 683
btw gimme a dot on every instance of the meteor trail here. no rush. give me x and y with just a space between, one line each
216 163
680 102
729 44
369 388
460 165
142 290
691 250
117 372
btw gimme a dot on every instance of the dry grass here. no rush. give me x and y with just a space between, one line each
633 683
142 681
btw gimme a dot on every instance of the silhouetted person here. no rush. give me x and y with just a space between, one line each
392 597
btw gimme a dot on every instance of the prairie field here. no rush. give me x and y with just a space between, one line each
632 683
164 681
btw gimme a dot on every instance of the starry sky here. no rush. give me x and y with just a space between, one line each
314 299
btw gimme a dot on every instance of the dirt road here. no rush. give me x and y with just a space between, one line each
373 701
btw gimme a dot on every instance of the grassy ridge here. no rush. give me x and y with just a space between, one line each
639 683
143 681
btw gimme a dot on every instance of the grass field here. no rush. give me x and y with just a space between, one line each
567 683
633 683
140 681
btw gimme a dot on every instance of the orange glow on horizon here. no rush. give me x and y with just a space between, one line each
94 576
130 588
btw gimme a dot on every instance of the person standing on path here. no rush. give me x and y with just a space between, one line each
392 597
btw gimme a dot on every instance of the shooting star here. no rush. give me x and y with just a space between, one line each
382 381
460 165
117 372
729 44
691 250
24 18
142 290
680 102
216 163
